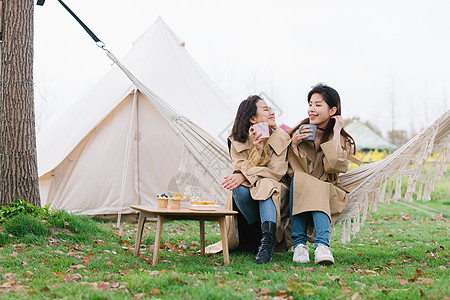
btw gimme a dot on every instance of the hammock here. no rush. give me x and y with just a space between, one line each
423 159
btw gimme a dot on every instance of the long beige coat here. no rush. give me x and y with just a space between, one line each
265 176
315 174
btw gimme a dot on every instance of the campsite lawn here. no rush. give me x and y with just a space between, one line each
400 253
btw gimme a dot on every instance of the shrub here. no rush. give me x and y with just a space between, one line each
78 227
25 224
22 207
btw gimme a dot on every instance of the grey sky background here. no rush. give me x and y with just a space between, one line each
381 56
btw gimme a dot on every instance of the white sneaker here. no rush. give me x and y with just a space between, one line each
301 254
323 255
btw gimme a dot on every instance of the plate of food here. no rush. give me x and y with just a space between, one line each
203 205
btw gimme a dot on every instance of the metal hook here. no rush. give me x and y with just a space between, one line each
100 44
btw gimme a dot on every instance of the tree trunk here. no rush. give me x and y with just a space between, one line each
18 168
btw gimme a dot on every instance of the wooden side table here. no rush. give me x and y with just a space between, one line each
181 214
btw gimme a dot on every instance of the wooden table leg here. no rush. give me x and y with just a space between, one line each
223 233
202 237
159 226
140 229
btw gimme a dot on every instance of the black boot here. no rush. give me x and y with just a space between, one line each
256 236
268 242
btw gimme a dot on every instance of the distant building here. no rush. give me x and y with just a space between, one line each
367 139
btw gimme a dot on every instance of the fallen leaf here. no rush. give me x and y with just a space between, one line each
87 259
342 283
419 273
109 264
124 272
59 274
262 292
9 276
281 293
9 283
427 280
402 281
77 267
176 279
370 272
155 292
251 274
138 295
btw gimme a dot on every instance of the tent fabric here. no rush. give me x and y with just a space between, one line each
82 154
366 138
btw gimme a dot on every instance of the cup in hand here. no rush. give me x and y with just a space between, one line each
263 128
311 127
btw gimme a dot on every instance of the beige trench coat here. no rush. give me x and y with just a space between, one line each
265 176
315 174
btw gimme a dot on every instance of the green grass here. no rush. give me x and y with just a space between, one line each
400 253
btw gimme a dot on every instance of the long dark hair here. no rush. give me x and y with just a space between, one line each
331 97
247 109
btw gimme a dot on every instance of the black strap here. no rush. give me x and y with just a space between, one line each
93 36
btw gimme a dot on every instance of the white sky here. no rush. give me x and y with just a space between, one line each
371 52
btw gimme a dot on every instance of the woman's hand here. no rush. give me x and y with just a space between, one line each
232 181
297 137
257 142
338 125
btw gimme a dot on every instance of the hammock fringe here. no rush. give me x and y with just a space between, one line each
421 161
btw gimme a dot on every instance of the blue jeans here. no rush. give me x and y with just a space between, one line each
254 210
299 223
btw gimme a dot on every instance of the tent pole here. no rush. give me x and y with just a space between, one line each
127 157
137 166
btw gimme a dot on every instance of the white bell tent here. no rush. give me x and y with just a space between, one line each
114 147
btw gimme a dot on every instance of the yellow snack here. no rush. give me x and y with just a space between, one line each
203 203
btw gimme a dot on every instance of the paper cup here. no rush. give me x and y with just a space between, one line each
175 203
163 202
263 128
